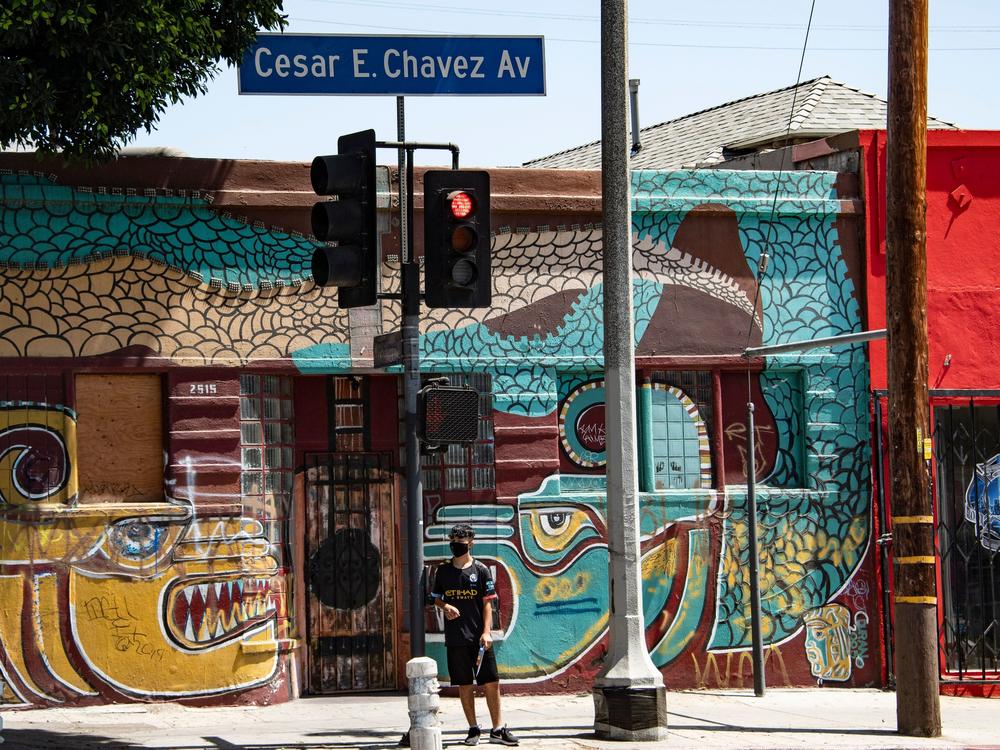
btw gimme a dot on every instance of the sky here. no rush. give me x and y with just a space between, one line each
688 57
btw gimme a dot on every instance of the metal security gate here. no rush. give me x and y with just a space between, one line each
967 481
351 574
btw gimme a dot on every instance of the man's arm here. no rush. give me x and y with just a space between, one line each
450 611
486 639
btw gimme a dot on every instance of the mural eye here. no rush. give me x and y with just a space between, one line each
136 539
554 523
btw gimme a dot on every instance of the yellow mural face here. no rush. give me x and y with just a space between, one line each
156 601
187 630
828 642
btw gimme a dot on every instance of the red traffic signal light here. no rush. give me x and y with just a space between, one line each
461 204
457 238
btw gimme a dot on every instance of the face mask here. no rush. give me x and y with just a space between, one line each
458 549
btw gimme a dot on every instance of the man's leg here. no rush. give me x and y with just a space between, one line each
467 695
493 702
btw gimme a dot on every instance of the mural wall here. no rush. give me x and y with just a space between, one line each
175 589
128 599
196 595
699 241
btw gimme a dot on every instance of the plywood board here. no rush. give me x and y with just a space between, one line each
120 437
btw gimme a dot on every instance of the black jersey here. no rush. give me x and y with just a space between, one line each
467 589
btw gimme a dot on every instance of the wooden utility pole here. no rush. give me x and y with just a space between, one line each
918 710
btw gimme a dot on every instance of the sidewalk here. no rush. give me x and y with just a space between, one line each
814 718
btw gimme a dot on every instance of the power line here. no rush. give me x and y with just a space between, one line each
758 48
636 19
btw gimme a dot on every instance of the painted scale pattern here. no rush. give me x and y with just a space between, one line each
99 261
48 226
811 542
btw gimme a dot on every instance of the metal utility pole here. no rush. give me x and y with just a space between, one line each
757 652
411 384
918 709
629 698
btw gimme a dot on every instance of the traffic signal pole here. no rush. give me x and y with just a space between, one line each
410 334
353 265
410 288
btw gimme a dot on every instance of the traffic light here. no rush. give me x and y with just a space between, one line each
457 238
350 221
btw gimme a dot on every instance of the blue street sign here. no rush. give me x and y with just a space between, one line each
310 64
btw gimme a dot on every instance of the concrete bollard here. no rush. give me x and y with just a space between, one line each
424 701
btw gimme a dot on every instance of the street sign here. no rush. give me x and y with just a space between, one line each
335 64
388 349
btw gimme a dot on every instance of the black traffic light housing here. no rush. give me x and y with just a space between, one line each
351 221
457 238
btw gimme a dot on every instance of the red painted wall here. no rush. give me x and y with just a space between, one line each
963 245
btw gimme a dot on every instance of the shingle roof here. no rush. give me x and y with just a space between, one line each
823 107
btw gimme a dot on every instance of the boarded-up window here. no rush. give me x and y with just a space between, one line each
119 438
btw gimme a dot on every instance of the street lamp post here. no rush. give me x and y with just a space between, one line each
629 698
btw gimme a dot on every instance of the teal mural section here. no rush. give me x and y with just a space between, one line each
50 225
815 505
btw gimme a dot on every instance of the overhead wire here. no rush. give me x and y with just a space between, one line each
495 12
670 45
765 255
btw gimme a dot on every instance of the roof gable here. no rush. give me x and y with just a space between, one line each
823 107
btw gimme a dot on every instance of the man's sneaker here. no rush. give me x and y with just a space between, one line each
502 737
473 736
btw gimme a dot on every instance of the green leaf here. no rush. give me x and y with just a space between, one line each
82 78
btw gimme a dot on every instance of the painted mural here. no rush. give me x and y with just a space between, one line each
117 601
549 549
982 503
188 597
89 273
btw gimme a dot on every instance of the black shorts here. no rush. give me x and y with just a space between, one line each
462 665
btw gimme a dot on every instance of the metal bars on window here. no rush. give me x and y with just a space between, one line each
967 459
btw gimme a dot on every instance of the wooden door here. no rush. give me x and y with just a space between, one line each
350 574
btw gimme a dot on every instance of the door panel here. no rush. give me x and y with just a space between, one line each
350 571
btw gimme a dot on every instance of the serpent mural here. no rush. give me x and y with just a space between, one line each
165 600
815 506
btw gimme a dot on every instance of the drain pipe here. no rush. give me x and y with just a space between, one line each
633 90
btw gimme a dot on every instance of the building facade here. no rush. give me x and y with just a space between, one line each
963 290
200 469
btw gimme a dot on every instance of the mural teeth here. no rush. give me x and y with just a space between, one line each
203 588
186 593
218 590
219 630
189 632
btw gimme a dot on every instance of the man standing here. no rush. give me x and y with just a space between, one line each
463 588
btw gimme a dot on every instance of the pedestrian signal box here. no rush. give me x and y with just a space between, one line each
448 414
